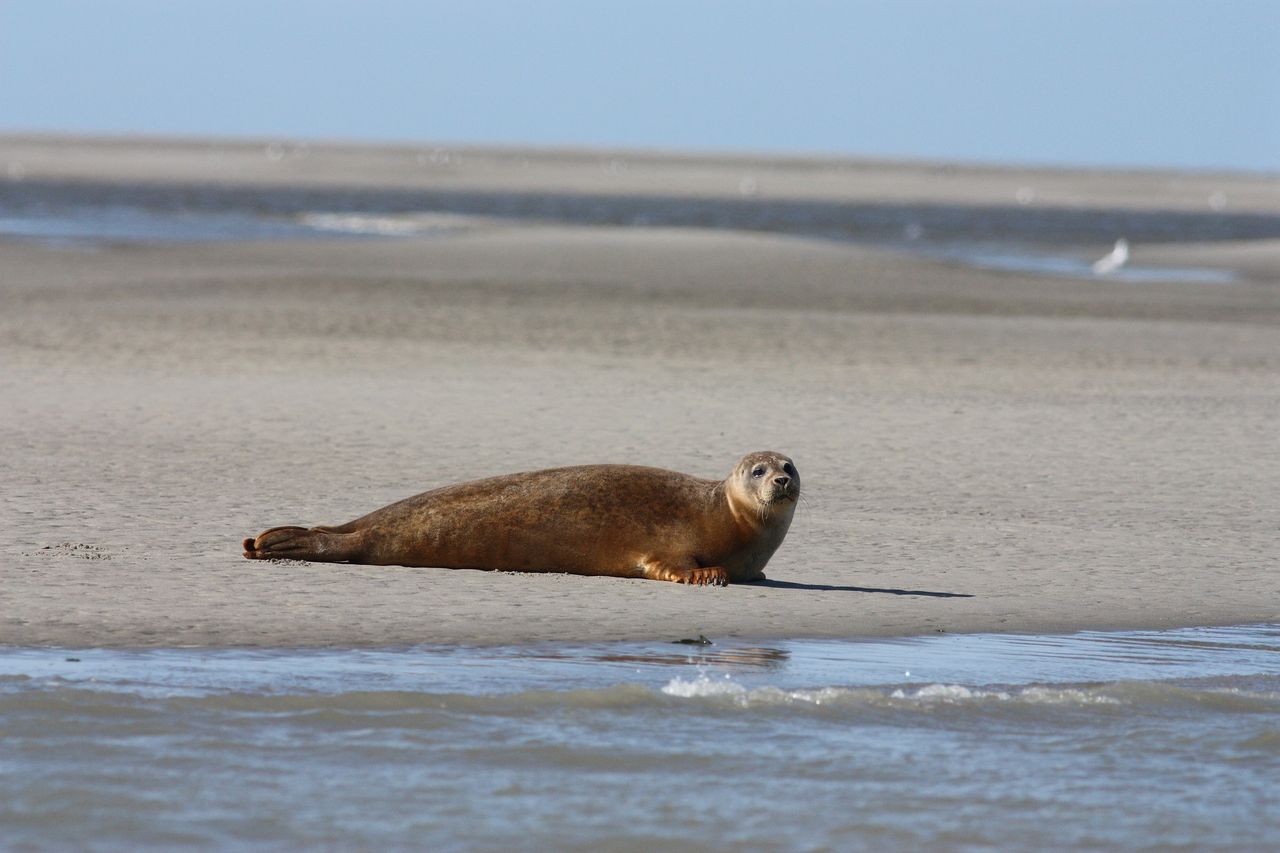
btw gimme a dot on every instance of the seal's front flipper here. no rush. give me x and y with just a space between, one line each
302 543
696 575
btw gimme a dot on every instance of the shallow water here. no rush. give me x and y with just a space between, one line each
88 225
1013 238
1046 261
1151 740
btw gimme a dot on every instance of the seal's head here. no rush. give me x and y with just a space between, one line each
766 483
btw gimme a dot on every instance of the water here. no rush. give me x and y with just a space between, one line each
1017 238
90 225
1143 740
1044 261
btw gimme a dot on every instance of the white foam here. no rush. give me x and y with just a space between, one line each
1030 695
947 693
1065 696
352 223
704 686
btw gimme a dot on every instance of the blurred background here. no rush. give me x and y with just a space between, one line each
1141 83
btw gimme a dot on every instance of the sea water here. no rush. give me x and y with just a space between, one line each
1136 740
1058 242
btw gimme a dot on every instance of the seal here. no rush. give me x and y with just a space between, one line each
612 520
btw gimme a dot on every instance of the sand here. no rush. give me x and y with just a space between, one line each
604 171
980 451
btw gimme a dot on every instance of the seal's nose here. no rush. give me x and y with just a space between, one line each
781 482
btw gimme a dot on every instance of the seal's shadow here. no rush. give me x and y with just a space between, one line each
823 587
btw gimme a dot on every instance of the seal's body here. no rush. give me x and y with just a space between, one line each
613 520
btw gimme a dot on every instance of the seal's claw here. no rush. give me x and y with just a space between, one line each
694 576
714 576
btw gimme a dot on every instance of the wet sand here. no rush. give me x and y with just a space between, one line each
981 451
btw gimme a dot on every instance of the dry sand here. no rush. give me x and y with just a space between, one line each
980 451
443 167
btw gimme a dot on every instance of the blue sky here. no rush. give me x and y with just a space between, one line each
1080 82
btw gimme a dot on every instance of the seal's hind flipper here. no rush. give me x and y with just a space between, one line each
302 543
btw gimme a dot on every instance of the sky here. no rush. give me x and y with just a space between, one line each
1128 83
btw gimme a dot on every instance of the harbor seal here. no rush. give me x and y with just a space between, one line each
613 520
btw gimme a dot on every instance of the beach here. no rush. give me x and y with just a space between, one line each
981 450
1029 599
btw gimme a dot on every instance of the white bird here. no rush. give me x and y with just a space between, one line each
1113 260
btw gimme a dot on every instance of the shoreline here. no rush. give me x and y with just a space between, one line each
677 646
563 152
1070 455
146 160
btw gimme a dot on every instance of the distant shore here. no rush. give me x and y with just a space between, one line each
981 450
148 160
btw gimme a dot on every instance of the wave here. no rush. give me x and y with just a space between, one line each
717 694
1152 695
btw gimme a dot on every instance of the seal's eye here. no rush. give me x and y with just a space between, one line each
757 471
789 469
